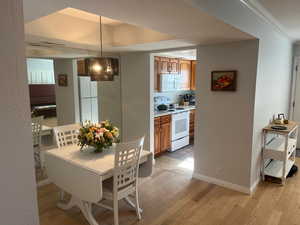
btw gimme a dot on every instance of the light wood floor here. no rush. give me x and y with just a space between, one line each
171 197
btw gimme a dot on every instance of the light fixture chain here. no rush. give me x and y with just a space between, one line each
100 36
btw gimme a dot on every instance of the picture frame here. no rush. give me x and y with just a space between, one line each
224 80
62 80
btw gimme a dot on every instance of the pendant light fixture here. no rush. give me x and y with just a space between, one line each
101 68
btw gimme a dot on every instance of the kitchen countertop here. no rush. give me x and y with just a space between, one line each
166 112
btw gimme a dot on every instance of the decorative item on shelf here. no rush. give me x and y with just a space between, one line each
280 119
223 80
62 80
279 127
100 136
101 68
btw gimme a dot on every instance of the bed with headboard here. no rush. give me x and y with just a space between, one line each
42 99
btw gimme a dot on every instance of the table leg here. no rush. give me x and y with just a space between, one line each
66 206
85 208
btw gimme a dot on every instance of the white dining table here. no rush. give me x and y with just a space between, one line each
46 130
81 173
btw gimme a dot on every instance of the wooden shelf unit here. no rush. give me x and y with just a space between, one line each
279 151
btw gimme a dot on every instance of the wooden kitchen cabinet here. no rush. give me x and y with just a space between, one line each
193 75
173 65
156 135
80 67
185 74
156 73
167 65
81 70
164 65
184 70
162 135
165 133
192 125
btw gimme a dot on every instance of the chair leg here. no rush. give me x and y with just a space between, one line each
137 205
116 211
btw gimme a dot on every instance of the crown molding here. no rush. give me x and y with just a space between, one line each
263 13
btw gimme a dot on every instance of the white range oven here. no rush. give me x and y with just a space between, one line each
180 130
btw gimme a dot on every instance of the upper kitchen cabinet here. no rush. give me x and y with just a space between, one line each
173 65
81 71
156 73
164 65
167 65
173 74
183 80
193 75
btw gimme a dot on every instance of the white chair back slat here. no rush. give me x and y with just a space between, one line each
66 135
36 128
127 158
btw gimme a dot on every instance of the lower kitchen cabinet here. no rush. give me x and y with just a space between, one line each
156 135
165 133
162 136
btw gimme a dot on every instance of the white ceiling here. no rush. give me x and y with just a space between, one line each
88 16
75 32
285 13
145 25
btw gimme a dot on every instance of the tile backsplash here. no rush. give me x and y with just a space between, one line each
168 97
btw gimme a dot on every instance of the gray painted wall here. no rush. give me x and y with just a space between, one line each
18 187
109 101
135 72
224 120
273 87
67 98
274 66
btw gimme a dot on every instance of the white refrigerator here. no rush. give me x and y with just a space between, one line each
88 97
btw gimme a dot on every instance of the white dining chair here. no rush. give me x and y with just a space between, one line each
65 136
125 178
36 128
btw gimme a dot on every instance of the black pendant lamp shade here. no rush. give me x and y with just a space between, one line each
101 68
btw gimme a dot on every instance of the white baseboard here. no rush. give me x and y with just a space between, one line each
254 186
225 184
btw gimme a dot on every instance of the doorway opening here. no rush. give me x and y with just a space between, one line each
174 106
42 93
41 83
